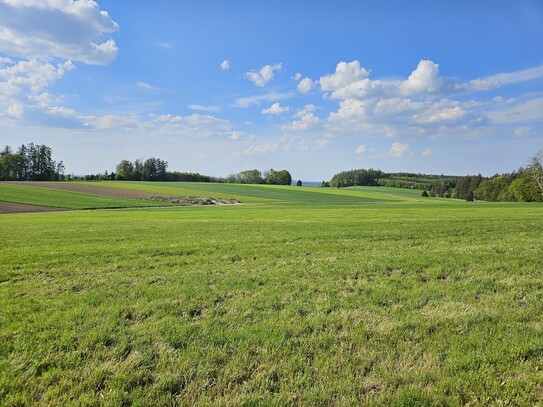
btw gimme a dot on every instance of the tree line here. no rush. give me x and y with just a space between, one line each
30 162
271 177
33 162
155 169
523 185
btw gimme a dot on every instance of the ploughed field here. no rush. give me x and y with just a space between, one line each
299 296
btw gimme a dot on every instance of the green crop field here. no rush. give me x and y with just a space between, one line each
32 195
268 193
308 296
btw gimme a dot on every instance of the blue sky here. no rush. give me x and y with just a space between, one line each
315 87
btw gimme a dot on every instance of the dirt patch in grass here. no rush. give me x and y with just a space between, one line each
88 188
8 207
196 200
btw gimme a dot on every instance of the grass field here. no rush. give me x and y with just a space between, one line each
32 195
377 297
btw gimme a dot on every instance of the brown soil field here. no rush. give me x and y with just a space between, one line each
87 188
8 207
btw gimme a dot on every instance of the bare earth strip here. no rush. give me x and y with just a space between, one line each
88 188
8 207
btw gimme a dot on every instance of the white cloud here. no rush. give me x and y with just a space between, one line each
398 149
275 109
43 100
237 135
530 110
424 79
305 85
256 100
241 135
38 29
16 110
306 109
451 114
297 77
108 122
163 45
33 75
204 108
508 78
427 153
264 75
352 109
306 120
225 65
361 149
260 149
145 85
194 125
346 73
522 131
350 80
321 143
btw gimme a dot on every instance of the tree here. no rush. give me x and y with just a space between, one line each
525 189
424 194
30 163
124 170
138 170
299 183
536 169
250 177
155 169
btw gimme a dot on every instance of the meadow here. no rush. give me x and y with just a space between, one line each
303 296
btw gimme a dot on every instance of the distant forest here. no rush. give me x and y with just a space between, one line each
34 163
523 185
29 163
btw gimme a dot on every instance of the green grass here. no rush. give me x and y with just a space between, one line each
31 195
406 303
271 193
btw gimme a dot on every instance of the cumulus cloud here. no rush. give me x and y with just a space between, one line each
65 29
41 38
225 65
306 119
275 109
398 149
361 149
264 75
31 75
305 85
297 77
424 79
446 115
346 73
350 80
194 125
